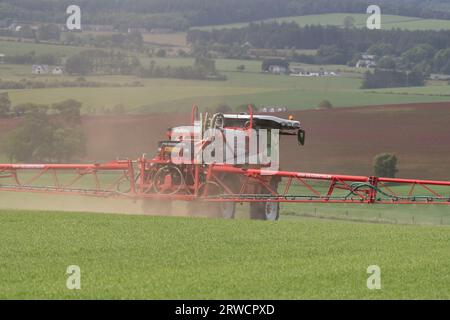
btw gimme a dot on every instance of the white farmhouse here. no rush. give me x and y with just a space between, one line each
57 71
40 69
366 61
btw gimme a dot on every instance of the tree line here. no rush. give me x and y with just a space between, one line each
128 40
81 82
44 32
404 58
182 14
52 33
33 58
203 69
96 61
274 35
115 62
47 133
392 78
100 61
411 68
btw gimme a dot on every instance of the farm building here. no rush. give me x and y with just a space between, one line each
442 77
57 71
275 66
300 72
277 69
161 30
366 61
40 69
140 30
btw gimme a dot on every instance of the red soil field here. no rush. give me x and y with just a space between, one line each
346 140
343 140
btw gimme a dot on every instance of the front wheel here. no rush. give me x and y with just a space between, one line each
212 209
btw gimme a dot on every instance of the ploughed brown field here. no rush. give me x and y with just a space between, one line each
343 140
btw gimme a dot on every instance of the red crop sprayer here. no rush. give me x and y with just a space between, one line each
217 186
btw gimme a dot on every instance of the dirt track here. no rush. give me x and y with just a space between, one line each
343 140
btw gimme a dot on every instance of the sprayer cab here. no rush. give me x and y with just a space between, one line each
239 122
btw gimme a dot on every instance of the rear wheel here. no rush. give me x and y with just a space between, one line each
217 209
272 211
269 211
227 210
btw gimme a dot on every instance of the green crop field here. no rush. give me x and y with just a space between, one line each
314 251
337 19
131 97
428 90
145 257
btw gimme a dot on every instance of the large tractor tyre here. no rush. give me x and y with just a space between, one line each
227 210
224 210
216 209
269 211
211 209
157 207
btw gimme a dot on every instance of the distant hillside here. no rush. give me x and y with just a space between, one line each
337 19
182 14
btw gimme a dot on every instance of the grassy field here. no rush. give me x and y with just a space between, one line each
337 19
172 39
22 47
175 39
392 214
297 93
142 257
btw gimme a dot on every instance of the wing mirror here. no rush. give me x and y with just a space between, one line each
301 134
